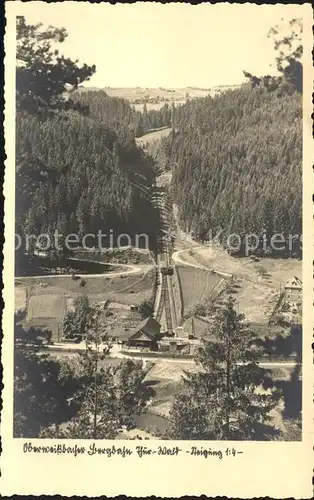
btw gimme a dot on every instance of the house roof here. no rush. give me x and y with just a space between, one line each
294 283
148 328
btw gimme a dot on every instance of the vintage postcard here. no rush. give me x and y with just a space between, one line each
158 256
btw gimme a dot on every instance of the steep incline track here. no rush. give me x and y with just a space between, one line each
165 306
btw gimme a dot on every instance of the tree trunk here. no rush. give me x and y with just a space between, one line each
96 397
228 378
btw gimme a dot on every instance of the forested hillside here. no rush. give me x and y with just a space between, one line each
119 114
237 162
75 176
78 170
236 158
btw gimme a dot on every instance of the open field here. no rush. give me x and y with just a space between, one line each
165 380
20 298
48 296
256 286
197 286
137 95
96 288
46 306
153 106
137 288
152 136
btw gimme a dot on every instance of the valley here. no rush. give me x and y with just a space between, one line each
157 331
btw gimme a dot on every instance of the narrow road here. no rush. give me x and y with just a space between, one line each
128 269
115 352
177 258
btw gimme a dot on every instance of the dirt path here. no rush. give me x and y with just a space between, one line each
115 352
178 258
258 283
128 269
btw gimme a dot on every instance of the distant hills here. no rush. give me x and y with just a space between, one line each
139 95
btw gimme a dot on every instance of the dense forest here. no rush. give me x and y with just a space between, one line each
120 115
236 158
78 169
75 175
237 162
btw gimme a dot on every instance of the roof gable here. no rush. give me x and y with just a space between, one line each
294 283
149 327
140 336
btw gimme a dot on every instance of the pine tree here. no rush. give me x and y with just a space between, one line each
42 74
41 395
77 323
231 396
108 397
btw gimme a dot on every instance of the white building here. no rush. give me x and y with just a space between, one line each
293 290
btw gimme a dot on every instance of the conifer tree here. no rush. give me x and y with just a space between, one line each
231 396
42 74
41 394
108 397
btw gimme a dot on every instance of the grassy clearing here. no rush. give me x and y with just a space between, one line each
20 298
197 286
165 380
46 306
95 288
257 285
48 296
153 136
178 95
134 94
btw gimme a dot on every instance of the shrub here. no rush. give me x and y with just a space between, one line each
286 307
262 271
281 321
20 314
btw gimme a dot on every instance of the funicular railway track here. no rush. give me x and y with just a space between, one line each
164 301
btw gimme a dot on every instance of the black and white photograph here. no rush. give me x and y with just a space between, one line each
158 250
158 224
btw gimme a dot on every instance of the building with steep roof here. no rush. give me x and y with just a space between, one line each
145 335
293 289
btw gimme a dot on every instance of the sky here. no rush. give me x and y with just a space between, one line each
170 45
